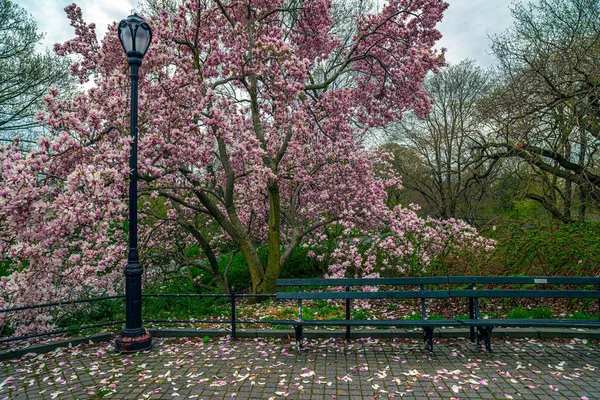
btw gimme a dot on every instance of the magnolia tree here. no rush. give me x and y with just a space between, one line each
252 118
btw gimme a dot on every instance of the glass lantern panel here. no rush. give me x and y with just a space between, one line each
126 38
142 40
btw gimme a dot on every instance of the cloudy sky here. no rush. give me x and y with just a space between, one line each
466 27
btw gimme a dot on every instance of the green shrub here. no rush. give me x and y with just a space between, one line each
530 243
239 274
91 313
531 246
4 265
185 307
298 266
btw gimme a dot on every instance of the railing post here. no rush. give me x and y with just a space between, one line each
347 315
233 331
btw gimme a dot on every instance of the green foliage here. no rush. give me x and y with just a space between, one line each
91 313
298 266
239 273
320 308
288 312
308 311
526 246
535 313
324 308
582 315
302 266
104 392
185 307
358 314
530 243
413 316
182 307
4 267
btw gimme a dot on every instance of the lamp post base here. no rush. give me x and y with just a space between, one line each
127 343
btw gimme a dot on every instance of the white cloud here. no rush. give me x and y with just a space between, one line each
53 22
468 23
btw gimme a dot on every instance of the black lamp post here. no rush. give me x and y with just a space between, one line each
135 35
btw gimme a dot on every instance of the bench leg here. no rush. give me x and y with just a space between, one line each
298 331
485 333
428 338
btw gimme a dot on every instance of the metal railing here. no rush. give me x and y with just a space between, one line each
59 331
233 321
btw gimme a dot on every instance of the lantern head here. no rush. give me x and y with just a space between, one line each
135 36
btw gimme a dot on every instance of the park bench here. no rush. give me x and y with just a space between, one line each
542 287
354 289
414 288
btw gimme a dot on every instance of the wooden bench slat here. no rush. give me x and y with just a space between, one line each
355 322
415 294
565 323
566 294
430 280
524 280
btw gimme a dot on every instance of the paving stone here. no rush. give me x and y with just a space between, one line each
324 369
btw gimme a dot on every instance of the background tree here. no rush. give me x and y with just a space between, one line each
438 161
546 113
25 74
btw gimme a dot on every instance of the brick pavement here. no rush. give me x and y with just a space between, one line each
325 369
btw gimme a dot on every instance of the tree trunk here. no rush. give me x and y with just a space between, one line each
255 266
582 204
274 239
568 199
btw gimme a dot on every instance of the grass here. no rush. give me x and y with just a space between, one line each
582 315
534 313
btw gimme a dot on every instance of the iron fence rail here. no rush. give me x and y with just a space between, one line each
59 331
233 321
60 303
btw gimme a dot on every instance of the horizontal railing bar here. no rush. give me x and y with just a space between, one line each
416 294
362 281
188 321
525 280
198 321
557 294
60 303
186 295
253 321
12 339
205 295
